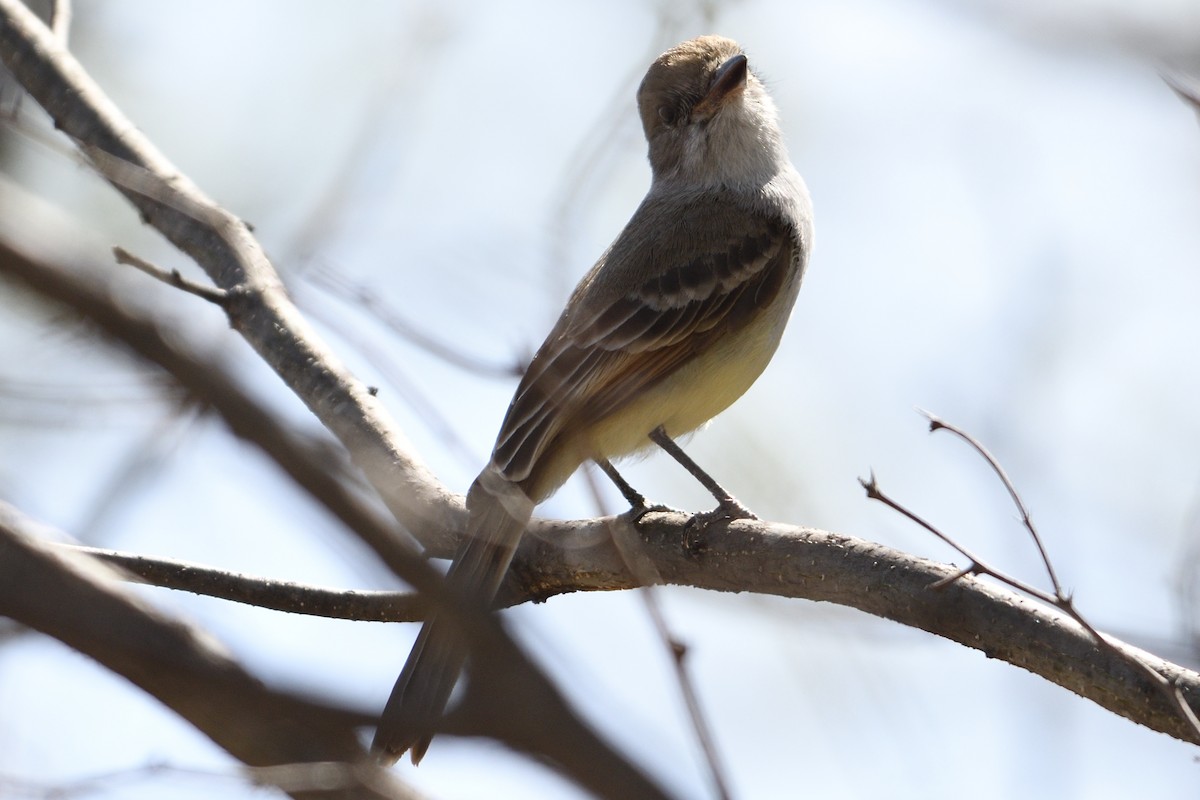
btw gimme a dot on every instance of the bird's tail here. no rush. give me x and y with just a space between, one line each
498 514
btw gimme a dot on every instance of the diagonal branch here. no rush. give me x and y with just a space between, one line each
588 759
937 424
260 310
258 306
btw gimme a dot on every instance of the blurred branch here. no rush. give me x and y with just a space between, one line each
369 301
643 571
76 600
1187 87
83 291
539 721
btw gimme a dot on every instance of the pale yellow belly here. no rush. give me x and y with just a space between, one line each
683 401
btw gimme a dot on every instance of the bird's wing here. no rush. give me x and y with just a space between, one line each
615 347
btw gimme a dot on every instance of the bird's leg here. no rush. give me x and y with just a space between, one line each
637 501
635 498
727 505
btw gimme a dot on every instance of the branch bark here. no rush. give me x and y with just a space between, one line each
810 564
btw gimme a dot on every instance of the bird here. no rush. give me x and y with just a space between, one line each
673 323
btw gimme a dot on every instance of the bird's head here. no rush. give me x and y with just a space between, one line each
708 120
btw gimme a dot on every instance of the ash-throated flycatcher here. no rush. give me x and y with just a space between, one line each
673 323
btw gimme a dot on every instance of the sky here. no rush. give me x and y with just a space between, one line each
1006 197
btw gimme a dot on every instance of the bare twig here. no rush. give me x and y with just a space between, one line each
173 278
978 566
677 651
936 424
1167 685
286 596
1187 87
370 301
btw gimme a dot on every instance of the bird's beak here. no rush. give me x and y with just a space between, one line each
728 81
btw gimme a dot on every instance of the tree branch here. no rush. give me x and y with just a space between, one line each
817 565
258 306
749 556
805 563
589 760
261 592
75 599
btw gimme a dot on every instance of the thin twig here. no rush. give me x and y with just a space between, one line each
383 360
644 572
173 278
978 565
1187 87
936 424
368 299
286 596
1059 599
60 20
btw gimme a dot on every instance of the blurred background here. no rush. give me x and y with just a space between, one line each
1007 201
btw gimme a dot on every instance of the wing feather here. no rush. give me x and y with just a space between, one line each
607 350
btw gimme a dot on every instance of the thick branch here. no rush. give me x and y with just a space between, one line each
788 561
